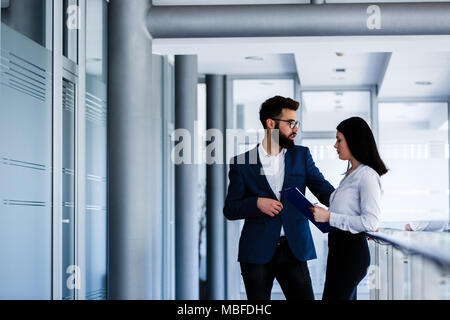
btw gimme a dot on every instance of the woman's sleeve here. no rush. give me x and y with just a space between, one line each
370 198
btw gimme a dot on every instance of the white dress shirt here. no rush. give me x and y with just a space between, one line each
355 204
273 167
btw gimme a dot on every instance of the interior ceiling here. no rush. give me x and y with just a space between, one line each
401 66
416 67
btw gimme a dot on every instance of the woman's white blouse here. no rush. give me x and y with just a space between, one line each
355 204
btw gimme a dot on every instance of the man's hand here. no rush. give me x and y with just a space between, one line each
269 206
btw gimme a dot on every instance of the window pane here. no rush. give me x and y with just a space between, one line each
27 17
96 150
414 145
97 39
70 29
324 110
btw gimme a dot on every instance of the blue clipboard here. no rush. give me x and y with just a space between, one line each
298 200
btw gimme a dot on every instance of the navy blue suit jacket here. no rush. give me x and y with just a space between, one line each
261 232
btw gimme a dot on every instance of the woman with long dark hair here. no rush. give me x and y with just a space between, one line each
354 209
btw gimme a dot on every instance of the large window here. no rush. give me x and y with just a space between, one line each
414 145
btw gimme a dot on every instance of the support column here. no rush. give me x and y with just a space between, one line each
186 184
215 190
134 176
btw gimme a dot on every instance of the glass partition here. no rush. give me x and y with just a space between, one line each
25 164
31 18
414 145
70 29
96 150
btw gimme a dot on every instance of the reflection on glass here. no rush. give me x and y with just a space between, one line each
96 150
324 110
70 32
26 17
414 145
97 39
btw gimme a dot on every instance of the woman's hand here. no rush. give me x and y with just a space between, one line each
320 214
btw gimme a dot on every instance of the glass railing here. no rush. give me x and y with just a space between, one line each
409 265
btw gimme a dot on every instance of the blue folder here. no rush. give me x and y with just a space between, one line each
298 200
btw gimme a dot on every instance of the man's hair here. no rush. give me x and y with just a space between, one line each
273 107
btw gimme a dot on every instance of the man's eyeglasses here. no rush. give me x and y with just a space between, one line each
292 123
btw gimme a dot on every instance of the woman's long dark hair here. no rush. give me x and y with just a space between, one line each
362 144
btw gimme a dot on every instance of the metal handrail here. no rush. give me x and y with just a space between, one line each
413 246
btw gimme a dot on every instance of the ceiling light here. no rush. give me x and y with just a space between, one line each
339 93
254 58
423 83
266 83
339 107
338 102
340 70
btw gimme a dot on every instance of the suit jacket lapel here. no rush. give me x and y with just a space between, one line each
287 166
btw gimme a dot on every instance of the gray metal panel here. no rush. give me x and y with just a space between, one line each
25 168
290 20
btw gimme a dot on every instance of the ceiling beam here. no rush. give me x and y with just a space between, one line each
297 20
383 71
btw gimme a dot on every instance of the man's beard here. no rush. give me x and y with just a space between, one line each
284 141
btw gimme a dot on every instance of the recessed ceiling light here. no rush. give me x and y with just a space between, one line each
340 70
339 93
254 58
266 83
339 107
423 83
338 102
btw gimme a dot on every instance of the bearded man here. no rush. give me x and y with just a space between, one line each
276 240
